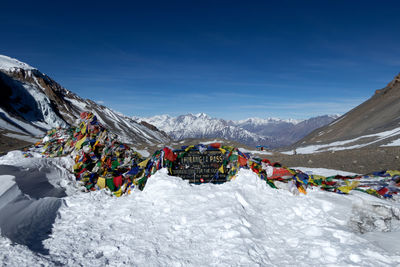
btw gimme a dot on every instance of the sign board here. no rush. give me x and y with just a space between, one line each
200 167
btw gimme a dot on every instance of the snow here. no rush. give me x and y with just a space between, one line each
7 181
254 151
242 222
323 171
13 124
336 121
210 142
269 120
127 128
142 152
55 169
26 138
38 120
9 64
201 126
80 105
393 143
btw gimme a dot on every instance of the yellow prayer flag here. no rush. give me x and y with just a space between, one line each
221 169
347 188
118 193
77 166
101 182
315 176
222 150
302 190
393 172
80 142
188 148
143 163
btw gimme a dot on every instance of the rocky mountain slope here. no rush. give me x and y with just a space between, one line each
31 103
374 123
253 131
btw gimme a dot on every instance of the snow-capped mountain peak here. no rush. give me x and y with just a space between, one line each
272 132
269 120
10 64
201 125
202 115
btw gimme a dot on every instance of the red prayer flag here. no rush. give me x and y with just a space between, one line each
118 181
242 161
215 145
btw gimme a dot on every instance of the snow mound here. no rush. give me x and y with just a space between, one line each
243 222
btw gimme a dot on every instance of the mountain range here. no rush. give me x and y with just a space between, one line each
32 103
270 132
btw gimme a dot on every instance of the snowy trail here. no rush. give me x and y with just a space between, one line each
172 223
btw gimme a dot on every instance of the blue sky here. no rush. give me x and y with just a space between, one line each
230 59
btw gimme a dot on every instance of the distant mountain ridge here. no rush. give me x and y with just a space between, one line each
203 126
31 103
271 132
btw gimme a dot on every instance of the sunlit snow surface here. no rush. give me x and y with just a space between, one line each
240 223
9 64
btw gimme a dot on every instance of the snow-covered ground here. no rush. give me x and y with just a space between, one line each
172 223
323 171
254 151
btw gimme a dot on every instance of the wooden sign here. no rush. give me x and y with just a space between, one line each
200 167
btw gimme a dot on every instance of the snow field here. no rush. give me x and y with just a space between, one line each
240 223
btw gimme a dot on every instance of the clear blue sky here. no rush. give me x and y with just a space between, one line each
230 59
